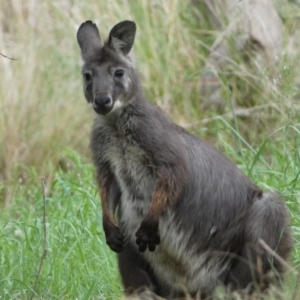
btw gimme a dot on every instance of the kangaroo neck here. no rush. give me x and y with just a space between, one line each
122 118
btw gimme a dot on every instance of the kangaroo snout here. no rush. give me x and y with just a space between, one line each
103 105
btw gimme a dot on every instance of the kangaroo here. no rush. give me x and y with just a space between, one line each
188 220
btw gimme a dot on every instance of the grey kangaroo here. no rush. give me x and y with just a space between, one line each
187 220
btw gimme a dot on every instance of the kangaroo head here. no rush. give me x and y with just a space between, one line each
109 78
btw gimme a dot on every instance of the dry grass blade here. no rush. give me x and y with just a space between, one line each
11 58
275 255
44 252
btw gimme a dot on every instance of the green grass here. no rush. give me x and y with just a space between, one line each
78 264
43 113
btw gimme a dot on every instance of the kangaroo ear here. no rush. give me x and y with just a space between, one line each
88 39
121 37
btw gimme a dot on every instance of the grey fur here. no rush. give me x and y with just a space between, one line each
208 231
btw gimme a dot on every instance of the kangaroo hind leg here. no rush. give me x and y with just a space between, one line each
267 224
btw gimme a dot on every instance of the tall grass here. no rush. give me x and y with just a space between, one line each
42 106
78 265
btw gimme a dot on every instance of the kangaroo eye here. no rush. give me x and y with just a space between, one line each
87 77
119 73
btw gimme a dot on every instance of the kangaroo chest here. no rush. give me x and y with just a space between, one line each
132 168
136 178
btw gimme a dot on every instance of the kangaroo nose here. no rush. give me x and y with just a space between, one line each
102 101
103 104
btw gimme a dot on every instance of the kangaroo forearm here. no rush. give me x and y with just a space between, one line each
110 195
104 183
107 213
167 190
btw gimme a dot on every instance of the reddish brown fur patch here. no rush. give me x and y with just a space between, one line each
104 185
167 190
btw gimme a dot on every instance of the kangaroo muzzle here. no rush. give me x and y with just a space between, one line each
103 105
